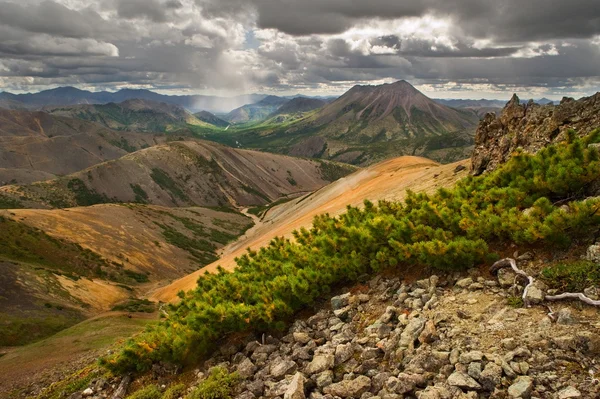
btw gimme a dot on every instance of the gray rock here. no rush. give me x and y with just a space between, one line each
473 356
302 338
349 388
378 381
402 384
569 393
320 363
463 381
506 278
464 283
338 302
593 253
246 395
535 295
87 392
343 353
474 370
246 368
343 312
257 387
324 379
388 315
295 389
564 316
282 367
491 376
411 332
521 388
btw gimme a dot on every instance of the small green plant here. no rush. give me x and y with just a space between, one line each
573 277
515 301
174 392
136 305
139 277
148 392
219 385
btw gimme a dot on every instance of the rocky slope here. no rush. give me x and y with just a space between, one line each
439 337
531 127
184 173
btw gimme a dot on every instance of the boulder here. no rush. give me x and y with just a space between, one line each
463 381
295 389
340 301
521 388
320 363
282 367
349 388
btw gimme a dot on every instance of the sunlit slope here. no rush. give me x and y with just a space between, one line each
387 180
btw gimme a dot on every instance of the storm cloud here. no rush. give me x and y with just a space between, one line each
473 47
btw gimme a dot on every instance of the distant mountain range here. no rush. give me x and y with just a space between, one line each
133 115
72 96
257 111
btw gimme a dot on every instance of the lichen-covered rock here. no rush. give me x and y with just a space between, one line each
530 127
521 388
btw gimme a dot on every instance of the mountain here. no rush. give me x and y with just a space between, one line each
133 115
257 111
299 105
62 96
37 145
183 173
211 119
368 124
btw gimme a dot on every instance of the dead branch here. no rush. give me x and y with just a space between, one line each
569 295
122 389
508 262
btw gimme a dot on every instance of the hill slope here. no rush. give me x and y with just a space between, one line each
61 266
257 111
212 119
133 115
387 180
184 174
47 144
299 105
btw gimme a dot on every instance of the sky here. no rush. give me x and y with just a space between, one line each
447 49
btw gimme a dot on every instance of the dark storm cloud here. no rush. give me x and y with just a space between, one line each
140 9
50 18
249 45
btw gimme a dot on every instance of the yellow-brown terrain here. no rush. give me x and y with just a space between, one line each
387 180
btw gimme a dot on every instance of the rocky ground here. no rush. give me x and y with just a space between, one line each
435 338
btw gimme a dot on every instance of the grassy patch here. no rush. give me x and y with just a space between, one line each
165 182
85 196
136 305
9 203
141 196
147 392
219 385
139 277
262 210
331 171
572 277
22 243
33 325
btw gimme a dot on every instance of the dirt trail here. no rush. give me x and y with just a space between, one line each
387 180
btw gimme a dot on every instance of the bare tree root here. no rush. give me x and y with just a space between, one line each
569 295
508 262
